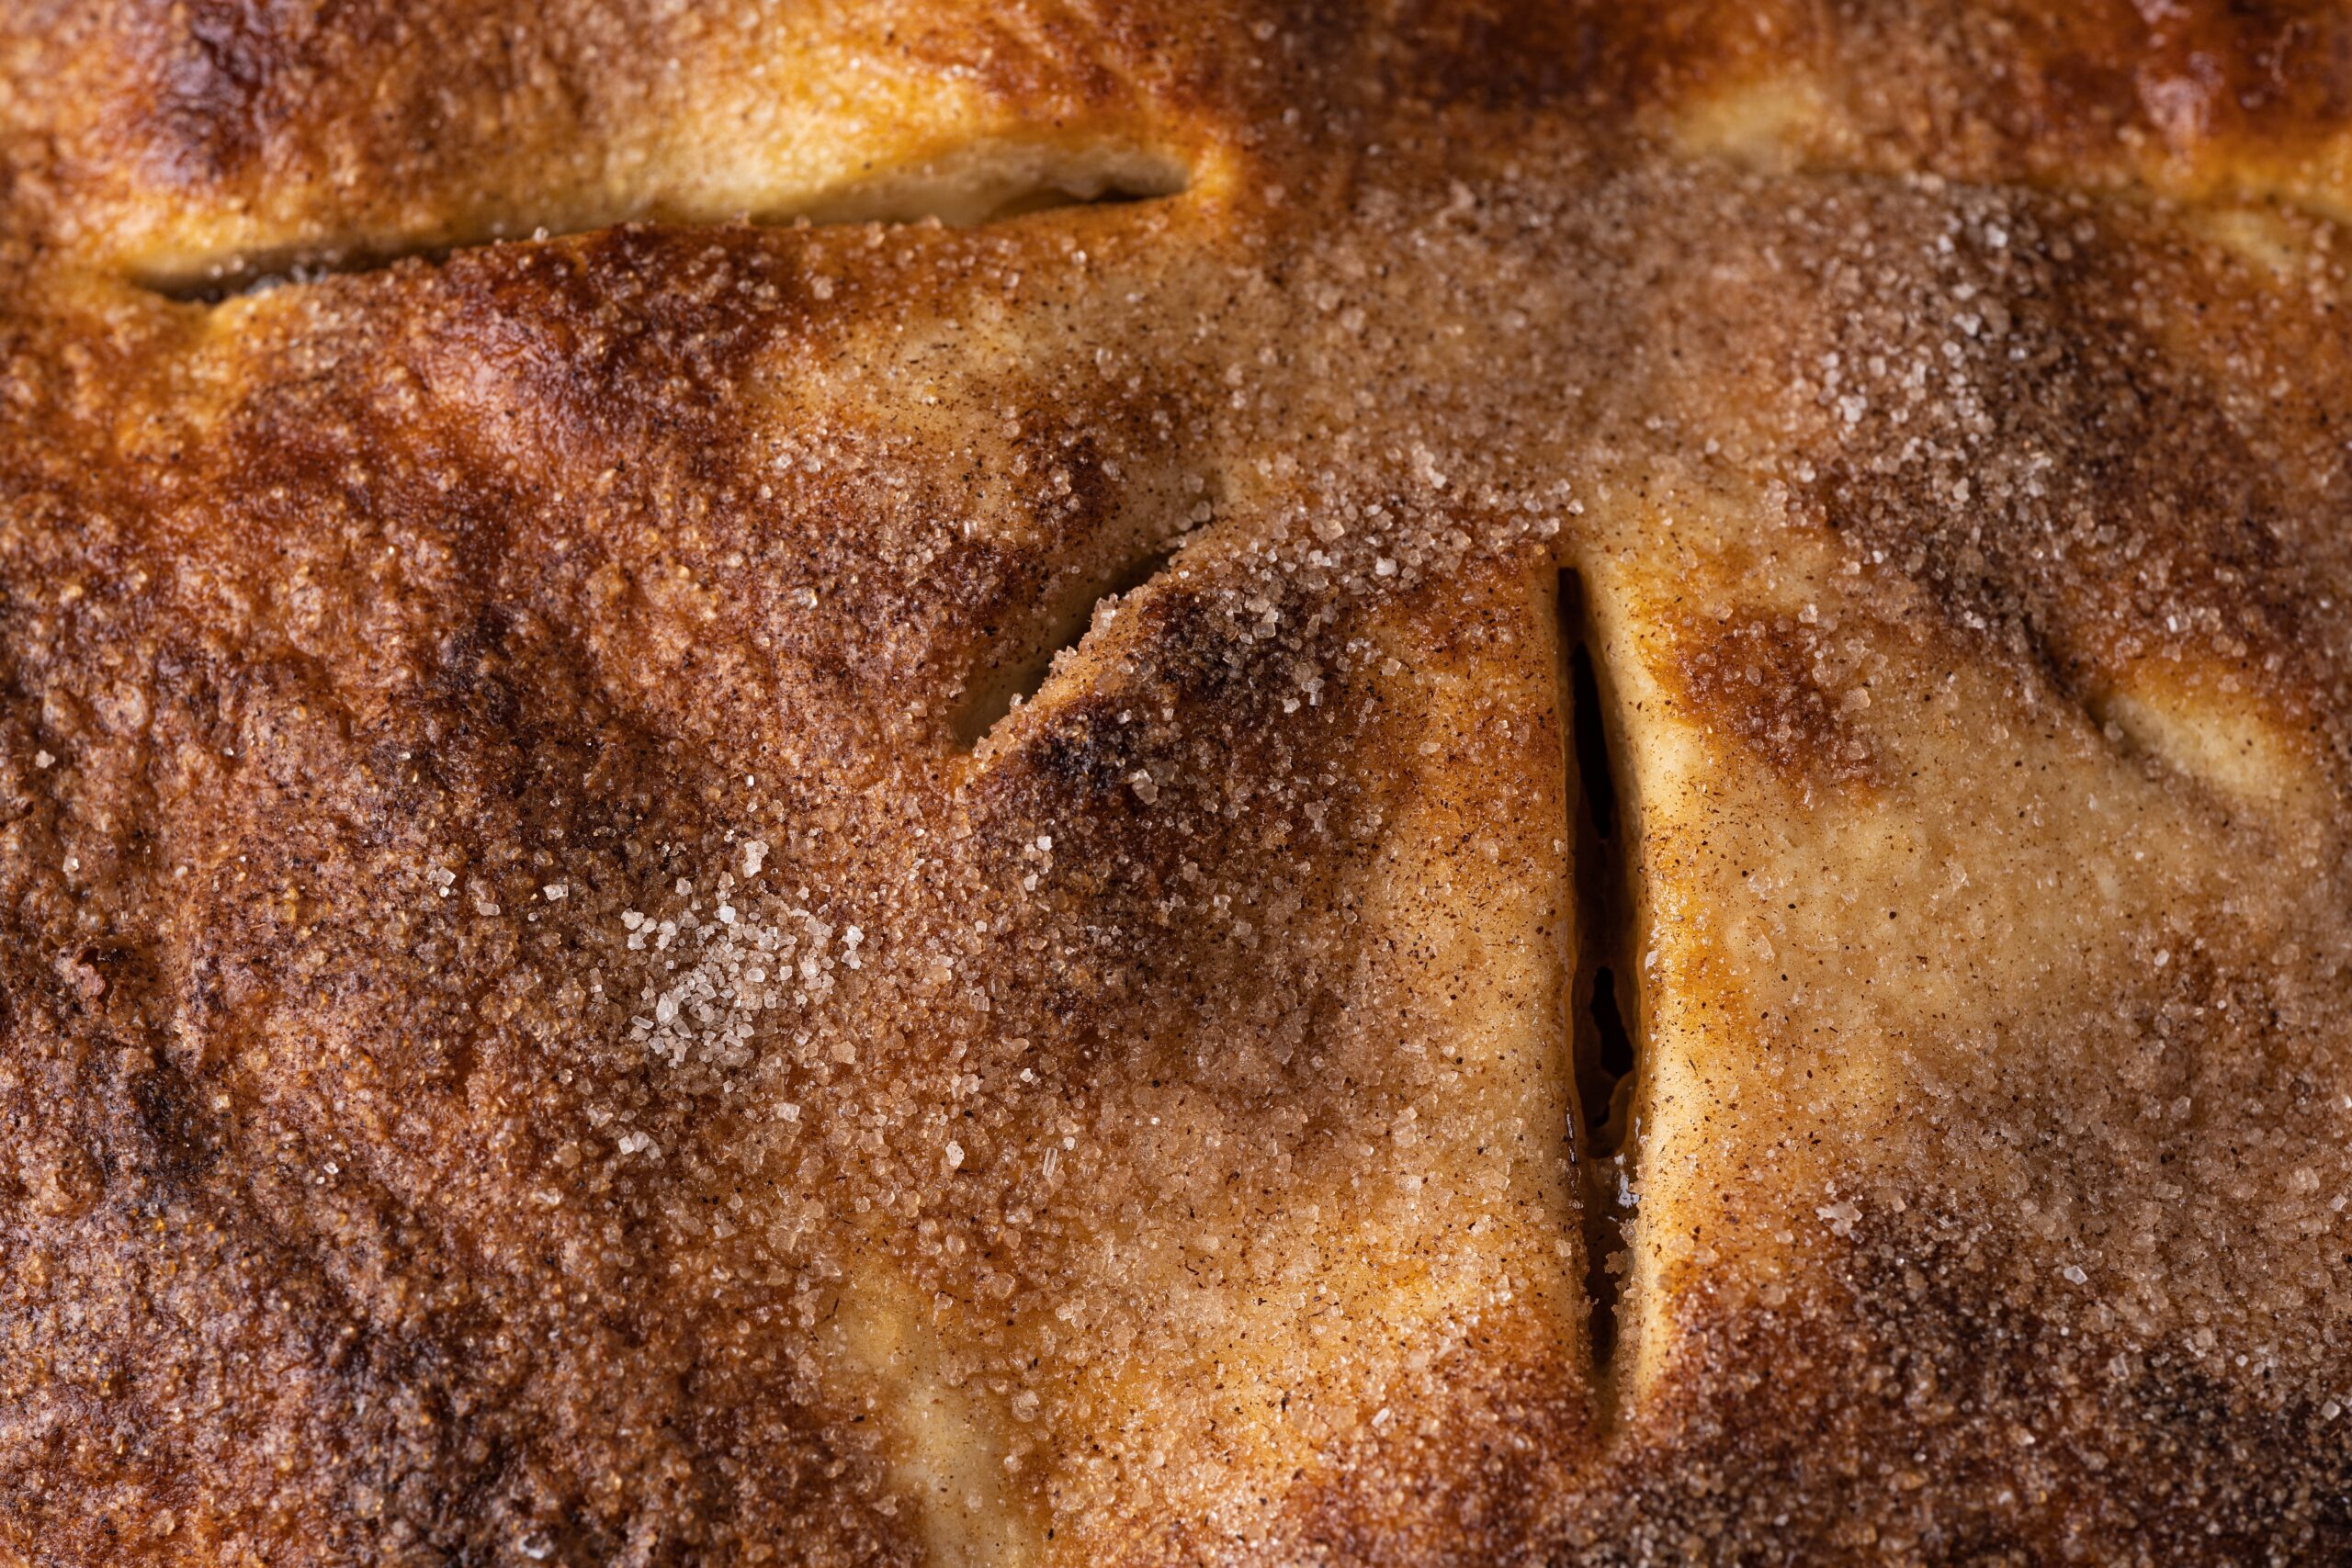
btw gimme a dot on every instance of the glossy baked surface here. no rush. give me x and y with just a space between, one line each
555 1007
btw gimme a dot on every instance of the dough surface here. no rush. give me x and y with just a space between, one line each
900 783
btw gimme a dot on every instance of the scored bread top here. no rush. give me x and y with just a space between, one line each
877 782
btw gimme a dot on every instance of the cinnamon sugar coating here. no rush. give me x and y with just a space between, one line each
798 783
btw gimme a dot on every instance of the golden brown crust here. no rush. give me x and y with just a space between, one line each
555 1006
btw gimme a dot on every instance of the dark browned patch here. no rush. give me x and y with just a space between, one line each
2096 499
1884 1414
1766 680
2051 80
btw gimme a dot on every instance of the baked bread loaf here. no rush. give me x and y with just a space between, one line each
1051 781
